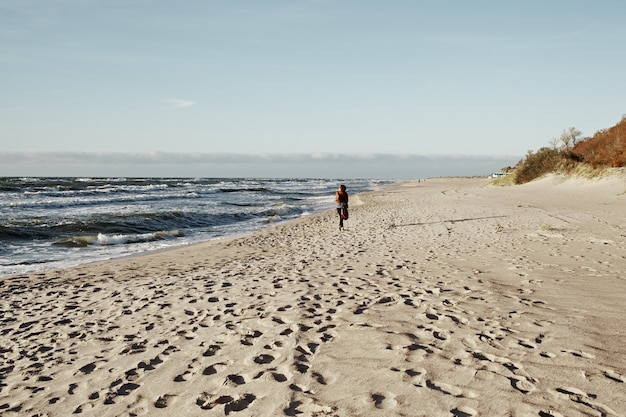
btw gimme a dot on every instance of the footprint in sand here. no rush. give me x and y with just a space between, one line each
165 400
458 319
415 376
192 369
185 376
239 404
281 374
89 368
212 350
306 407
581 397
248 339
550 413
131 375
234 379
522 384
579 353
442 334
615 376
324 379
464 411
82 408
139 406
127 388
572 391
279 377
207 401
264 359
215 368
445 388
384 401
527 343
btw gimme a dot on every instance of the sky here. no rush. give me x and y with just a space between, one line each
301 88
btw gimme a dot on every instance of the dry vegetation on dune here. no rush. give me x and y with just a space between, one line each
607 148
568 154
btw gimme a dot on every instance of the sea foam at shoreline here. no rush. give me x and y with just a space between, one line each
59 222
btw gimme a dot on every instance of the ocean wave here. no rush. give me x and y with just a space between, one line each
26 262
81 227
281 210
243 190
55 222
78 200
117 239
236 204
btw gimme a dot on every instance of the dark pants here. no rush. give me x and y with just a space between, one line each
340 218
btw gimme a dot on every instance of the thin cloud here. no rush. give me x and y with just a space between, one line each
197 164
70 157
178 103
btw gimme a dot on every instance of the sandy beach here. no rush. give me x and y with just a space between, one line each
445 297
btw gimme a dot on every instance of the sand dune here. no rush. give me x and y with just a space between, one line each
447 297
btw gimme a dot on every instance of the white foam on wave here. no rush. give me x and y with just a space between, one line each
121 239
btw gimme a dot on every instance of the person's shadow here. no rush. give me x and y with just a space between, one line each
445 221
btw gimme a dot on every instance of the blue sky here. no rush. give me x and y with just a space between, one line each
211 88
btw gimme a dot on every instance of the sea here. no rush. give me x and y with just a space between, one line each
49 223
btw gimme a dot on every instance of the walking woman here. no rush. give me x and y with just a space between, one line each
341 198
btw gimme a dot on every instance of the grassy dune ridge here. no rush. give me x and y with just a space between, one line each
590 157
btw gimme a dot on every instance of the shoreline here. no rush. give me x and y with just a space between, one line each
441 297
102 219
182 247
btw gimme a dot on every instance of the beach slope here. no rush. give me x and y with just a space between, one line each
446 297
